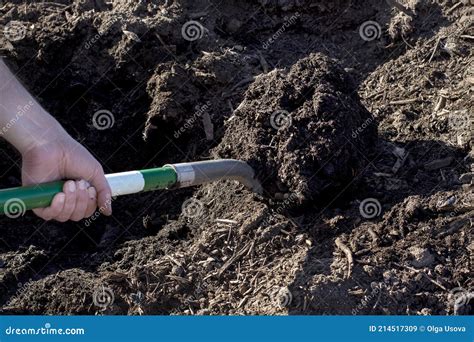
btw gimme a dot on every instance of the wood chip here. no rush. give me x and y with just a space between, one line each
348 253
402 102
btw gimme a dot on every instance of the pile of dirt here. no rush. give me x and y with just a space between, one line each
303 129
387 223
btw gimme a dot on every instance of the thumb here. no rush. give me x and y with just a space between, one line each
104 193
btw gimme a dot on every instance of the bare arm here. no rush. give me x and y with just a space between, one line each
49 153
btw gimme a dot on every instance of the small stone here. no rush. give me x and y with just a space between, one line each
422 256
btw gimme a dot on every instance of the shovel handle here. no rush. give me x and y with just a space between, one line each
14 202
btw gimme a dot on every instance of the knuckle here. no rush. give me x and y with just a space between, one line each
98 170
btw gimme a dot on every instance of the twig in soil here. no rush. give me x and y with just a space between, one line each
174 261
377 93
243 301
408 44
424 274
364 262
234 258
226 221
244 81
400 7
459 3
434 49
348 253
166 46
438 164
402 102
362 252
375 237
455 226
229 103
178 279
378 299
441 103
263 62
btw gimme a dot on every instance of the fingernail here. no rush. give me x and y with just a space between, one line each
92 193
109 203
71 187
61 198
82 185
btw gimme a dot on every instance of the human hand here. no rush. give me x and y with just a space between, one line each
50 154
64 158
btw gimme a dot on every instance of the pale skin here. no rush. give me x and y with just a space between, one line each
49 153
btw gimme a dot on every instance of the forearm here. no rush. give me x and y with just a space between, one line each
23 122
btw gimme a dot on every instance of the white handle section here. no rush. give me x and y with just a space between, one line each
125 183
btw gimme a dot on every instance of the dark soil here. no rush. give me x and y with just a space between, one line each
364 147
295 128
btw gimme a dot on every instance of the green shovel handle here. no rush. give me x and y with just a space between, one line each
15 202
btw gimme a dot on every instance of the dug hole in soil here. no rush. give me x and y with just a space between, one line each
356 116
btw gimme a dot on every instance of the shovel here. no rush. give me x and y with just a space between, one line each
14 202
